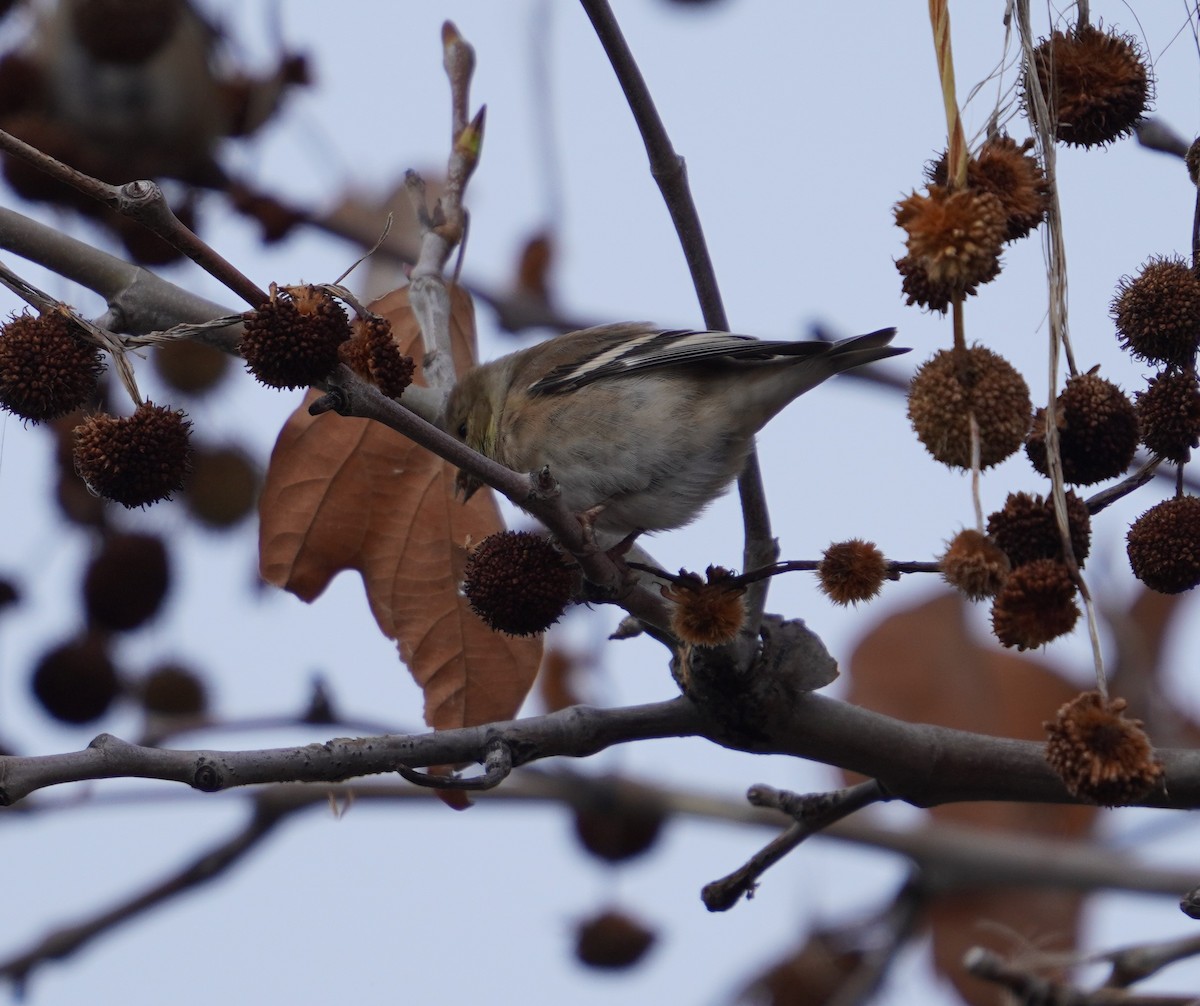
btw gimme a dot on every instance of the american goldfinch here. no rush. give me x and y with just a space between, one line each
642 428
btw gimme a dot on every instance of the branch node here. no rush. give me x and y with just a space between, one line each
334 400
497 766
206 779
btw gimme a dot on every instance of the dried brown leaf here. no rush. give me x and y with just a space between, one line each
923 666
352 494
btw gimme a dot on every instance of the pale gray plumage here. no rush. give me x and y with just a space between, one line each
641 427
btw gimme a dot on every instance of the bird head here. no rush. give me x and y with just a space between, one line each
471 416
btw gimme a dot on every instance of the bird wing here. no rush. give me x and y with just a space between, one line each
653 350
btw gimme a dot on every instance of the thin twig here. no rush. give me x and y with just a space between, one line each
813 813
144 202
1031 988
66 941
669 170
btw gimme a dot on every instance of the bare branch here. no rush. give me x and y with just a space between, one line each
144 202
813 813
1034 988
138 300
68 940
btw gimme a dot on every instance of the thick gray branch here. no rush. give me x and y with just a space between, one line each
923 765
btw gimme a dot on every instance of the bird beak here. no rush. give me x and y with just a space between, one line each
466 485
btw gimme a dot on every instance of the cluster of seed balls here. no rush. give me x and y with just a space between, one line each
50 367
302 333
1097 86
1019 562
123 588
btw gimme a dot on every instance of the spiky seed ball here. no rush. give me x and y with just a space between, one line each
1006 169
617 828
1157 312
135 460
1169 414
172 690
954 240
852 571
974 565
1101 756
76 682
46 368
223 486
707 612
1096 83
1163 545
950 386
292 340
372 353
517 582
1097 431
919 289
1035 605
1026 529
126 582
612 940
190 367
1192 160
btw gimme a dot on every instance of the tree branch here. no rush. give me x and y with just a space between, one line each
921 764
669 170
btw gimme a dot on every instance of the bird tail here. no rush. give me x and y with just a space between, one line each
860 349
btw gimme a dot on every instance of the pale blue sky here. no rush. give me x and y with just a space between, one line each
802 124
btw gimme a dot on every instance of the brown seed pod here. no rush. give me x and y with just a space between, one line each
974 565
954 240
707 612
950 386
46 367
1035 605
173 690
1169 414
372 353
617 828
1027 530
1097 84
190 367
76 681
292 340
852 571
1006 169
1157 312
517 582
223 486
1193 161
126 582
1097 431
1101 756
135 460
612 940
1163 545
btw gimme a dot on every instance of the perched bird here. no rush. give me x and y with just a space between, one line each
642 428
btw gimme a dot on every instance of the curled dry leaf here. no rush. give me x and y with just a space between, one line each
352 494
